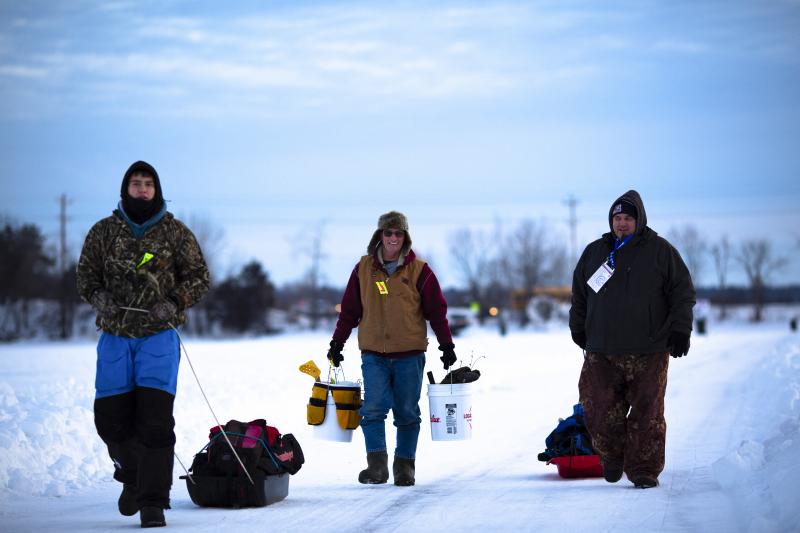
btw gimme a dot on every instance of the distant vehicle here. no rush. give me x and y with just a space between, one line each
459 320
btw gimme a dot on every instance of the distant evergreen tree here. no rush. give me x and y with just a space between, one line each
24 276
240 303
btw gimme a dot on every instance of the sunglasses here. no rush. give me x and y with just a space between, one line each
396 233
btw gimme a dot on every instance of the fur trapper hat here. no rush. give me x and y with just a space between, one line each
390 220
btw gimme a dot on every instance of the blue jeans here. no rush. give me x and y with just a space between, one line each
124 363
393 384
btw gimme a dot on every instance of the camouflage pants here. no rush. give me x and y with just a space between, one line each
623 401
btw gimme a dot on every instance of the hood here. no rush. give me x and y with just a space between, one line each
631 197
145 168
140 211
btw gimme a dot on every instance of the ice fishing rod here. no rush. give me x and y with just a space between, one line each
203 392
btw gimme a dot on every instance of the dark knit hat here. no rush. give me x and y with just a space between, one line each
626 208
390 220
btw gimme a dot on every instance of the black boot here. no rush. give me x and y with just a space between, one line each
643 481
403 470
152 517
612 471
127 500
377 470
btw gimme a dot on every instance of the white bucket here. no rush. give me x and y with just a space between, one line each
330 429
451 411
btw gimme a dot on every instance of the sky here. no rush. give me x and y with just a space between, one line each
279 122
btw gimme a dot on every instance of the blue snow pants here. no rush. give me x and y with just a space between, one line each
124 363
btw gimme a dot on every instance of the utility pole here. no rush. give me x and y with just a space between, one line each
62 270
572 202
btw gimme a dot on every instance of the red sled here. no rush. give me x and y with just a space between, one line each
572 466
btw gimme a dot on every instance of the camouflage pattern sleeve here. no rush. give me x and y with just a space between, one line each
90 264
192 277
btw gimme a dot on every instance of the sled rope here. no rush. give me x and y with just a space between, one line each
186 353
184 468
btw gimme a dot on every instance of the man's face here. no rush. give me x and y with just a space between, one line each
392 243
141 187
624 225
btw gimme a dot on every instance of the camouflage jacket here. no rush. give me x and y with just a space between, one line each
166 263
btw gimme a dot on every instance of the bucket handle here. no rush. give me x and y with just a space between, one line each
334 371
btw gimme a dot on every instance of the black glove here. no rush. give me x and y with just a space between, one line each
335 353
163 310
579 338
448 355
678 344
104 304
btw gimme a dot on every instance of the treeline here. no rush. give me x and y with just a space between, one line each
500 270
508 268
38 295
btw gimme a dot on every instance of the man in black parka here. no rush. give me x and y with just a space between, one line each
632 299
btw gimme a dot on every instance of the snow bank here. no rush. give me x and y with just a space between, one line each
47 441
763 478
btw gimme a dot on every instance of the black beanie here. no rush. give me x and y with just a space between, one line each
140 211
626 208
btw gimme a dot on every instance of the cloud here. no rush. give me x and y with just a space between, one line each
335 57
682 47
22 71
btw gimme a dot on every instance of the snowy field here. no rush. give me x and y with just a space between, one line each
733 441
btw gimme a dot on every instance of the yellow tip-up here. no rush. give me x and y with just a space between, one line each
311 368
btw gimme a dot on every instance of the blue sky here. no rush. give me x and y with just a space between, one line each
273 119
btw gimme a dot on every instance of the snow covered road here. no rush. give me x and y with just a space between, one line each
740 383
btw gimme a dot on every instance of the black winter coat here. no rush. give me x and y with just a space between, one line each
650 294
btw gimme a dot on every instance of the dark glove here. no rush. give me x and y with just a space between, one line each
448 355
579 338
163 310
678 344
335 353
104 304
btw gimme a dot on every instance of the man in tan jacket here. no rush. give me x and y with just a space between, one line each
390 295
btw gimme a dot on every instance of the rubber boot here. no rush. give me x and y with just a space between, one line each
127 500
377 470
612 472
403 470
152 517
643 481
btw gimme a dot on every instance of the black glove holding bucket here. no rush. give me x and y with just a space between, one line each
448 355
335 353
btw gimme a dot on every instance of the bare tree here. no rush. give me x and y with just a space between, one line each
309 243
473 253
211 239
532 260
693 249
759 264
721 252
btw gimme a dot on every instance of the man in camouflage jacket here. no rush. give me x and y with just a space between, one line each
140 269
632 299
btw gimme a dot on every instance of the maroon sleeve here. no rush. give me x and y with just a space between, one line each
434 306
351 309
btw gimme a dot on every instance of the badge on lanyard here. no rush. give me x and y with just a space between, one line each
600 277
606 270
382 288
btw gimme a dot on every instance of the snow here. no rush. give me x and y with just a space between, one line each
733 415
